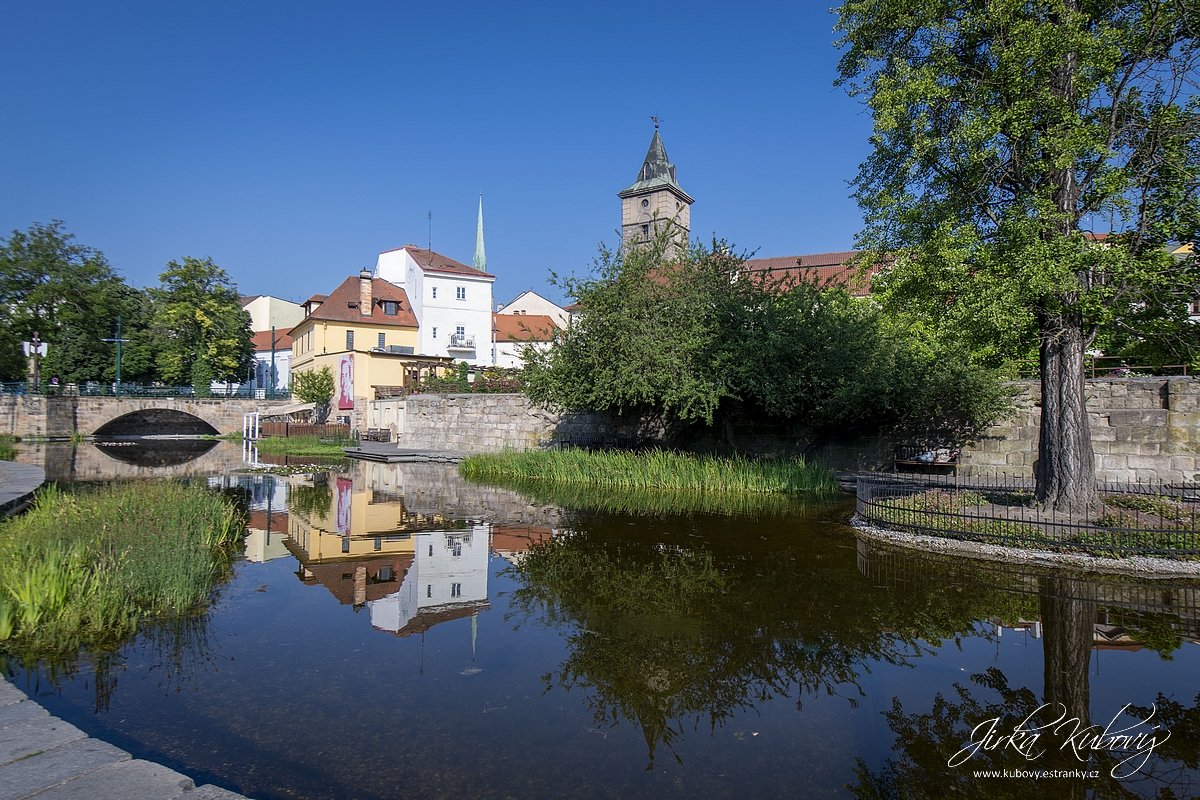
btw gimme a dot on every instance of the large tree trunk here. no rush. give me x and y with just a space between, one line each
1066 466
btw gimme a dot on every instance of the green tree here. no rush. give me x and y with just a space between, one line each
199 318
68 294
699 339
1004 133
314 386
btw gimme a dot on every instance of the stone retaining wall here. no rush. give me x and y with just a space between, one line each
1143 429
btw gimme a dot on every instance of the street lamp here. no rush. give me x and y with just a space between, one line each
118 340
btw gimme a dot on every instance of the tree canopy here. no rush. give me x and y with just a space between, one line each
1031 162
699 338
200 323
72 297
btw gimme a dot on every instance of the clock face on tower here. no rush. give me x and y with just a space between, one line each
645 204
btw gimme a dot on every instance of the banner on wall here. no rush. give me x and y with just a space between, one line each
345 392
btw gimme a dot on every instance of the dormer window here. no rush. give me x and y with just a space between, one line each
391 307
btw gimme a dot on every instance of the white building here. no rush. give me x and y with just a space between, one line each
531 302
268 312
512 333
452 302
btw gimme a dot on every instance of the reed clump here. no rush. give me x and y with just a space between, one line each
84 569
653 470
303 446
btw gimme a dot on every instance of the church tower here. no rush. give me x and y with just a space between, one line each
655 201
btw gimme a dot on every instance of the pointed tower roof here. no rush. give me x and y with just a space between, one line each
657 172
480 260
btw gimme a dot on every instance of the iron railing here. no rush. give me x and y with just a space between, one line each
1135 518
142 390
461 341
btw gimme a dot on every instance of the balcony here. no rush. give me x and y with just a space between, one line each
461 341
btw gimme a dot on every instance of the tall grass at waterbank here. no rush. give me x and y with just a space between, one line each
653 469
303 446
85 569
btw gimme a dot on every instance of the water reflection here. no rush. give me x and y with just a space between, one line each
1079 619
618 641
153 452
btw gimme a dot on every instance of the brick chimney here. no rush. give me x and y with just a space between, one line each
364 293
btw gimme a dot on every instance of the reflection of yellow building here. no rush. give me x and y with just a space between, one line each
361 546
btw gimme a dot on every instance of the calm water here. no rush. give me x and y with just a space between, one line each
396 632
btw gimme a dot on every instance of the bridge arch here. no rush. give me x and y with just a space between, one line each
156 422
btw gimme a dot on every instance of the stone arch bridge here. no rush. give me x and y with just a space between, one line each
37 415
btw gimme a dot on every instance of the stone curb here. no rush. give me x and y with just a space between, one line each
1141 566
45 757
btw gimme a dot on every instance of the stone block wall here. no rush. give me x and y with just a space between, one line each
1143 429
481 423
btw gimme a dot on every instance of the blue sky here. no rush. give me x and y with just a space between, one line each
291 142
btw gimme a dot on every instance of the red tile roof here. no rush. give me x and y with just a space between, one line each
524 327
316 298
342 305
262 341
436 262
830 269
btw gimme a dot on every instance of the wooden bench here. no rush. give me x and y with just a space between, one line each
379 435
925 455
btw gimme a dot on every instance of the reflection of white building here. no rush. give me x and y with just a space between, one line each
447 580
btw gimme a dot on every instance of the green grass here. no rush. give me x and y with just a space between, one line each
652 470
7 451
303 446
85 569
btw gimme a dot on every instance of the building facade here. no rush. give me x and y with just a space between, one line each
531 302
452 302
512 333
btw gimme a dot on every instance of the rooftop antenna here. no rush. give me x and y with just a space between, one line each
430 248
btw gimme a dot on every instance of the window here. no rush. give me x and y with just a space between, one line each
435 333
431 551
429 590
382 340
456 590
645 204
646 231
391 307
435 293
460 292
349 340
460 331
345 544
455 546
378 543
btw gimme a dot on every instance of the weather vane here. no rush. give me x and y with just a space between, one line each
656 120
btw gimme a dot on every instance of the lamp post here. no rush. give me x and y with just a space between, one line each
272 379
118 340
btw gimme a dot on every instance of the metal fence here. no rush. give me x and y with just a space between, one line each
141 390
1145 518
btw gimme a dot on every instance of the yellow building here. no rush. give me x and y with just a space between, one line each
366 333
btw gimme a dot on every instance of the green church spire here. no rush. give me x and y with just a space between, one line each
480 260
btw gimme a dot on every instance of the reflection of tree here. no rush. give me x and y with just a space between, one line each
925 743
667 633
313 500
174 649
